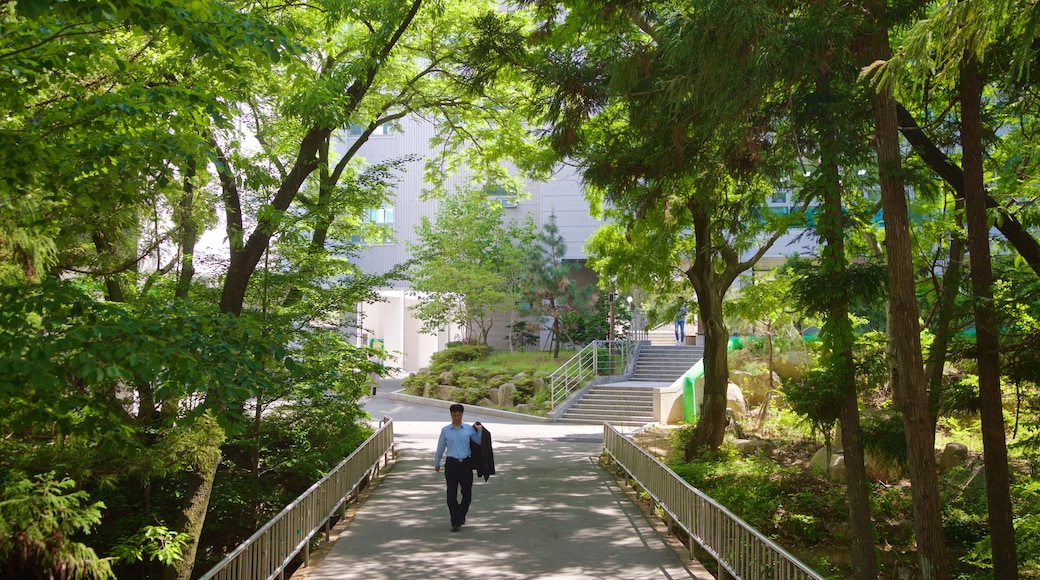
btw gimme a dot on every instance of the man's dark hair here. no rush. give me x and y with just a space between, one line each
455 407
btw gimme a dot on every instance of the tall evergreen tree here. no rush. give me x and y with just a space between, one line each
548 282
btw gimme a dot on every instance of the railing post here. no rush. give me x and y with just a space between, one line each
595 359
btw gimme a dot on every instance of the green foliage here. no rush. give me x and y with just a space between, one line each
471 381
453 355
1027 523
548 282
781 501
863 284
38 519
591 322
466 263
152 543
67 348
883 435
522 335
816 396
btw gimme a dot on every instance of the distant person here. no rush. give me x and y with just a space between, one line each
680 325
455 440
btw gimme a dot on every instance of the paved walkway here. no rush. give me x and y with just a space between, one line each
550 511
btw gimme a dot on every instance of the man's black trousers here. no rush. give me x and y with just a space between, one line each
458 473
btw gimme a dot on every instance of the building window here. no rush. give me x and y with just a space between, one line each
355 130
377 227
498 194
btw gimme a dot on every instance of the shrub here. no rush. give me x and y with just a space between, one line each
416 384
523 334
449 357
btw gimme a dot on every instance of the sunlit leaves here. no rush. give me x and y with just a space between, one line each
71 360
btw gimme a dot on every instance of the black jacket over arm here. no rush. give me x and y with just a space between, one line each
483 456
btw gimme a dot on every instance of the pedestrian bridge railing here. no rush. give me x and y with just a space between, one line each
267 553
742 551
600 359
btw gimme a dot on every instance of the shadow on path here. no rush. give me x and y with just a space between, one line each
550 512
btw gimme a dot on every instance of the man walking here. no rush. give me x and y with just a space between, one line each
458 471
680 325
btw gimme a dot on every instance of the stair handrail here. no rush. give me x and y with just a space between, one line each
588 364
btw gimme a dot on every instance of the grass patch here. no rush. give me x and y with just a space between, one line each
515 362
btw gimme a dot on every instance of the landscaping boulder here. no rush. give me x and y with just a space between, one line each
753 446
538 384
820 461
830 465
953 455
505 395
791 364
836 470
739 378
756 385
443 392
881 469
735 401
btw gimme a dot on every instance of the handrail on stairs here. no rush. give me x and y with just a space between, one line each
600 358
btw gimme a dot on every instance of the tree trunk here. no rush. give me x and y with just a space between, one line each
994 443
246 256
113 287
838 337
942 327
711 418
200 486
908 374
189 234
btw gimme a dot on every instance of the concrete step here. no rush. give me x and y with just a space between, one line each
617 404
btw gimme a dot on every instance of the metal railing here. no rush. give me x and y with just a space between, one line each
599 358
739 549
267 552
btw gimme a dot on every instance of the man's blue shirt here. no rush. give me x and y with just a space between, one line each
455 440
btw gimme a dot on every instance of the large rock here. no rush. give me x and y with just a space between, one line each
538 383
820 462
735 401
791 364
443 392
953 455
881 469
753 446
831 465
836 470
756 385
505 395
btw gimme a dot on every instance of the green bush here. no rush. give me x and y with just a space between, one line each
883 434
415 384
450 357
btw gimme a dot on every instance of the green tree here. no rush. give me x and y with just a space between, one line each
981 39
145 122
37 521
548 282
463 263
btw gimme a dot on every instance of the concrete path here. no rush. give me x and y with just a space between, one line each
550 511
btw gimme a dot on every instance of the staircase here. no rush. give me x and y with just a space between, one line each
632 402
665 364
612 403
